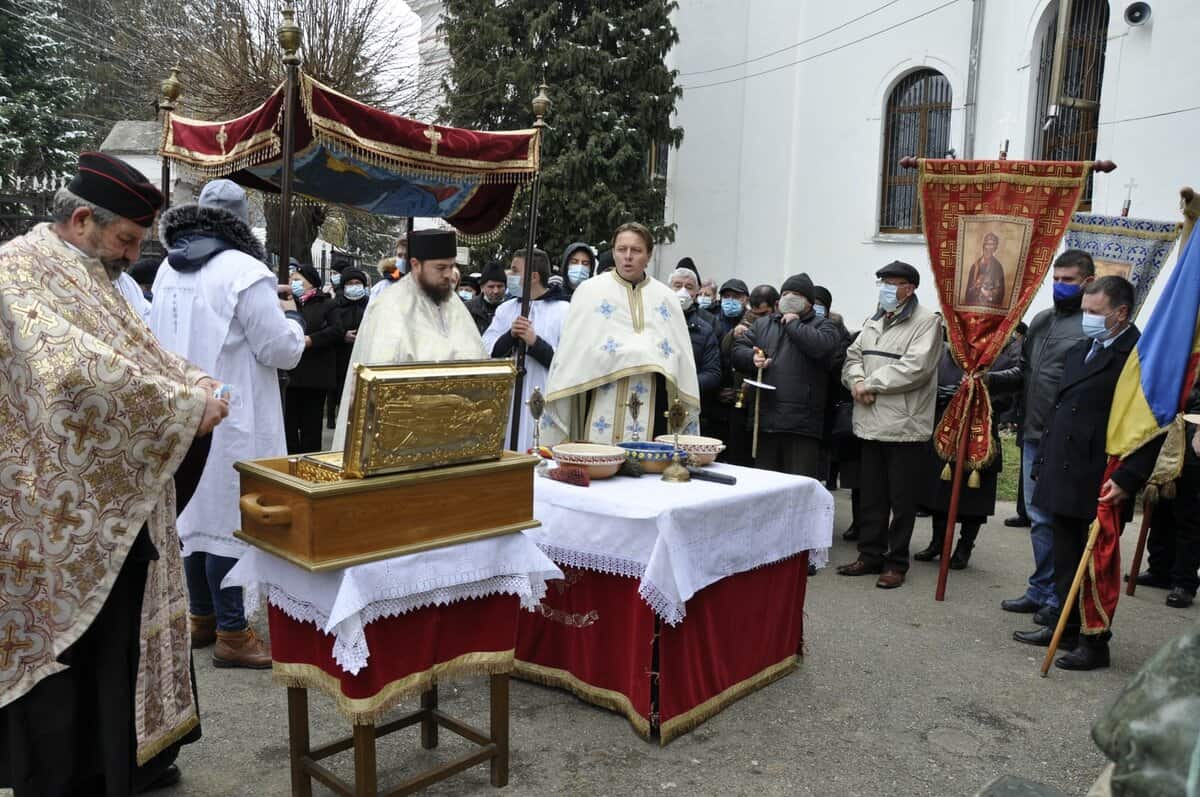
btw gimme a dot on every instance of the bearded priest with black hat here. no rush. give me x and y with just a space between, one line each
103 433
419 319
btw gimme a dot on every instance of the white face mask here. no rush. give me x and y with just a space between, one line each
793 303
685 299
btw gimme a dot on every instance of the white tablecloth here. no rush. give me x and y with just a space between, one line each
680 538
342 602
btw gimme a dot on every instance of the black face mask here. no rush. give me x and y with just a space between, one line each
1070 304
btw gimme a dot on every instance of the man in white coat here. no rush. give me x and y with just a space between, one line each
216 305
540 331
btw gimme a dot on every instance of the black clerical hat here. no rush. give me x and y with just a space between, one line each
432 245
116 186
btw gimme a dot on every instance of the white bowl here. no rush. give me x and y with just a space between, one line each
599 461
700 450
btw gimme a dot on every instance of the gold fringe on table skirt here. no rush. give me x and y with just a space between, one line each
605 698
368 710
678 726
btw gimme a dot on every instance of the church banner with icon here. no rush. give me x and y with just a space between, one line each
992 228
1135 249
363 158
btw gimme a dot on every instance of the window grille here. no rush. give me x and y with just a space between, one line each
917 123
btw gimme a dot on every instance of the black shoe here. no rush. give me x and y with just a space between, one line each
934 551
961 557
1043 636
1091 654
1021 605
1046 616
1180 598
1149 579
1018 522
168 778
850 533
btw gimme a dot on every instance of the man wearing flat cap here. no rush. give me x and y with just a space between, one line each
420 318
891 371
99 427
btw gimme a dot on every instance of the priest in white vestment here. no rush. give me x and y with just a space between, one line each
540 331
215 304
625 334
418 319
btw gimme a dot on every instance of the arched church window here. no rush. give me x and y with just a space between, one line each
1067 124
917 123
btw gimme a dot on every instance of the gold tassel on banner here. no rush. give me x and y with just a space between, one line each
973 479
947 475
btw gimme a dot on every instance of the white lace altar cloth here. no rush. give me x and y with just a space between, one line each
680 538
342 602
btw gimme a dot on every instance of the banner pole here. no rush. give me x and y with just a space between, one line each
289 41
171 88
1064 611
541 104
1135 566
952 513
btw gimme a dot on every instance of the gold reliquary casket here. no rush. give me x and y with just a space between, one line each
424 466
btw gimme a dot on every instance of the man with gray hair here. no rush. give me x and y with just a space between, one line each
218 307
705 346
100 430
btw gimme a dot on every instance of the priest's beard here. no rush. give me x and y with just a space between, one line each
438 290
113 266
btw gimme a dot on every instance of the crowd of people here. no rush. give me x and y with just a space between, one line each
231 365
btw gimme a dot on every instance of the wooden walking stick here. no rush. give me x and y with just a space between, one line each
759 387
1065 612
1135 566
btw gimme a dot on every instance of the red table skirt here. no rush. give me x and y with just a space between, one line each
409 653
595 636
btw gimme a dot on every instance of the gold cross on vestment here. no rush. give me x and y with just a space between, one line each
22 565
10 645
161 455
33 317
84 429
222 137
434 137
61 518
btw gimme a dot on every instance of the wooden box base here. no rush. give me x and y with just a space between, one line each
327 525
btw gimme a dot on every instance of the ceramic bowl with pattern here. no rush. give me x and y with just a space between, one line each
599 461
653 457
700 450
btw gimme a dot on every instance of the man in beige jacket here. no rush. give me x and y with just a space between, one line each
891 370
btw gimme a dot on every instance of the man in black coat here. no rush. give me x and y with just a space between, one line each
705 347
492 284
1071 459
794 346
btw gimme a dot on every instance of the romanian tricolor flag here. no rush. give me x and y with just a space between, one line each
1150 395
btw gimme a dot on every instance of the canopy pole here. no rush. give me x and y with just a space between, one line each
541 104
171 88
289 41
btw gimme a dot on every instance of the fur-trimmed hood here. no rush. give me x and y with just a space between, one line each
194 235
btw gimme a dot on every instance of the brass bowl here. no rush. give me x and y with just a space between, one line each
653 457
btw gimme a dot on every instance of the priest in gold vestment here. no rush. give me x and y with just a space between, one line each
625 335
96 689
419 319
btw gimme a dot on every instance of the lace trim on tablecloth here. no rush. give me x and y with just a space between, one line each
601 563
350 642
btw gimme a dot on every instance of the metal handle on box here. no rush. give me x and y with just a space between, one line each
266 515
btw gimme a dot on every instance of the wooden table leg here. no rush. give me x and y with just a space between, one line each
499 728
365 776
429 726
298 740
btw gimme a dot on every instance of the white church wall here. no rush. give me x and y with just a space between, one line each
781 173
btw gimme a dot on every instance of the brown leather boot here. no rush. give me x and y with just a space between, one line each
204 630
241 649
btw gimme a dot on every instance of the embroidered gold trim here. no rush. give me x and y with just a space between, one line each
605 698
624 372
1004 177
147 751
1094 589
1149 235
365 711
678 726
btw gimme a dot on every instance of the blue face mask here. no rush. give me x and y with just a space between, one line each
355 292
1064 291
578 272
1094 326
514 284
703 301
466 296
336 279
819 309
297 288
732 308
887 297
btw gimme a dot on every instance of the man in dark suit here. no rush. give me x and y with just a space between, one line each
1071 458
